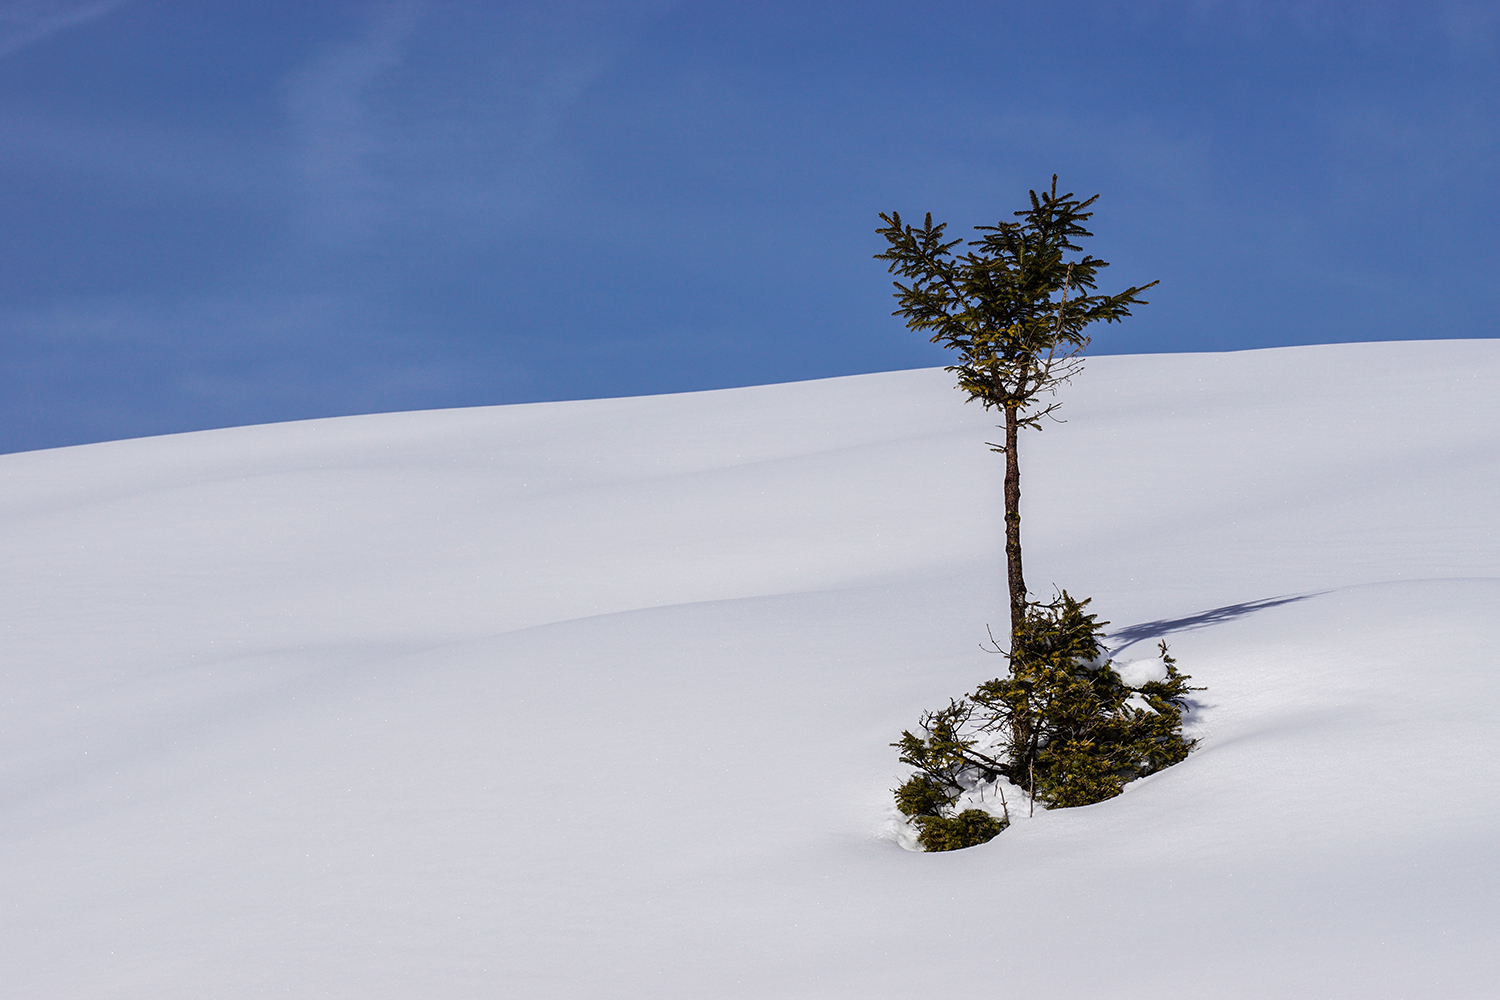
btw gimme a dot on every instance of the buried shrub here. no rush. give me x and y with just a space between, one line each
922 796
969 828
1062 725
943 757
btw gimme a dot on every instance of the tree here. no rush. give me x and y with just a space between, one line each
1005 307
1071 731
1063 725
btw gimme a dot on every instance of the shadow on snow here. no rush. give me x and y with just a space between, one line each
1133 634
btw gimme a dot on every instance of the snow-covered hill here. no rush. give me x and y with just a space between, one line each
593 699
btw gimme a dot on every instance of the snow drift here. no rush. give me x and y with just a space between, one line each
593 699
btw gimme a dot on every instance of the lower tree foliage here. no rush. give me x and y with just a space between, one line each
950 833
1062 725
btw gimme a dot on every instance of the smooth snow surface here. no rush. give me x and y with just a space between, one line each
593 699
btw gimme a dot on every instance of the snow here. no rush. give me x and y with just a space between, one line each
594 699
1141 671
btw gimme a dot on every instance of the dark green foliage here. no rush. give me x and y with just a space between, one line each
943 759
1077 773
1071 733
1012 307
951 833
1061 724
942 755
922 796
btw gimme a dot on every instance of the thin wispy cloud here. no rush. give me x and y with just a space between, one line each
24 22
338 132
461 142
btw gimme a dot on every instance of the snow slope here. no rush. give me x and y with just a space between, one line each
593 699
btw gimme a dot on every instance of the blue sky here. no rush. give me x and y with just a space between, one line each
219 214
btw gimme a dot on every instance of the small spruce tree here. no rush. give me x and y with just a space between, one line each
1062 724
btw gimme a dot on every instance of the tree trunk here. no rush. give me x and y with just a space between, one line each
1013 524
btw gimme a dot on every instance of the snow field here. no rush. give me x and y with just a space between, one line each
593 699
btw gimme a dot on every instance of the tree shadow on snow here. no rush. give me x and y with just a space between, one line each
1133 634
